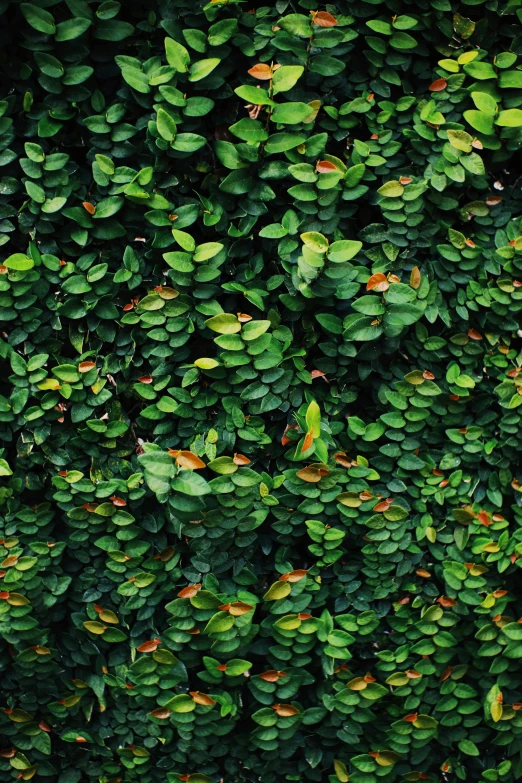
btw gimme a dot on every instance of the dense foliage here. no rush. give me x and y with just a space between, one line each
260 421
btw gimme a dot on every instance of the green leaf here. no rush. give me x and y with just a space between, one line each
199 70
19 261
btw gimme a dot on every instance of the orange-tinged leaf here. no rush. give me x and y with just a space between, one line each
161 713
411 718
415 277
202 698
377 282
189 592
145 379
186 459
412 674
294 576
116 501
261 71
384 505
243 318
446 602
324 19
405 180
422 572
86 366
240 459
438 85
325 167
222 667
4 595
429 377
308 441
91 209
285 710
272 675
474 335
9 561
149 646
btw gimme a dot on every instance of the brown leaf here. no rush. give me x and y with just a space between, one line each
343 459
438 85
165 554
377 282
411 718
202 698
474 335
422 572
243 318
492 201
285 710
324 19
261 71
86 366
145 379
405 180
415 277
317 374
428 376
189 592
161 713
310 474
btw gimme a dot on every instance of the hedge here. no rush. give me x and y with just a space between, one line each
260 298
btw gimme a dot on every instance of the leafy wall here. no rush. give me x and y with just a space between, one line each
261 382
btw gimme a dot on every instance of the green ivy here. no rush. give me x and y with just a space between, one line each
260 342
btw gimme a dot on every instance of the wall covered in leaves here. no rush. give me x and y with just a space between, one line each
261 377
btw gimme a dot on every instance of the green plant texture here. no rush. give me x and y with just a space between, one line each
261 388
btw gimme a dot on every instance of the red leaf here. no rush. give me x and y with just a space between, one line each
438 85
324 19
325 167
